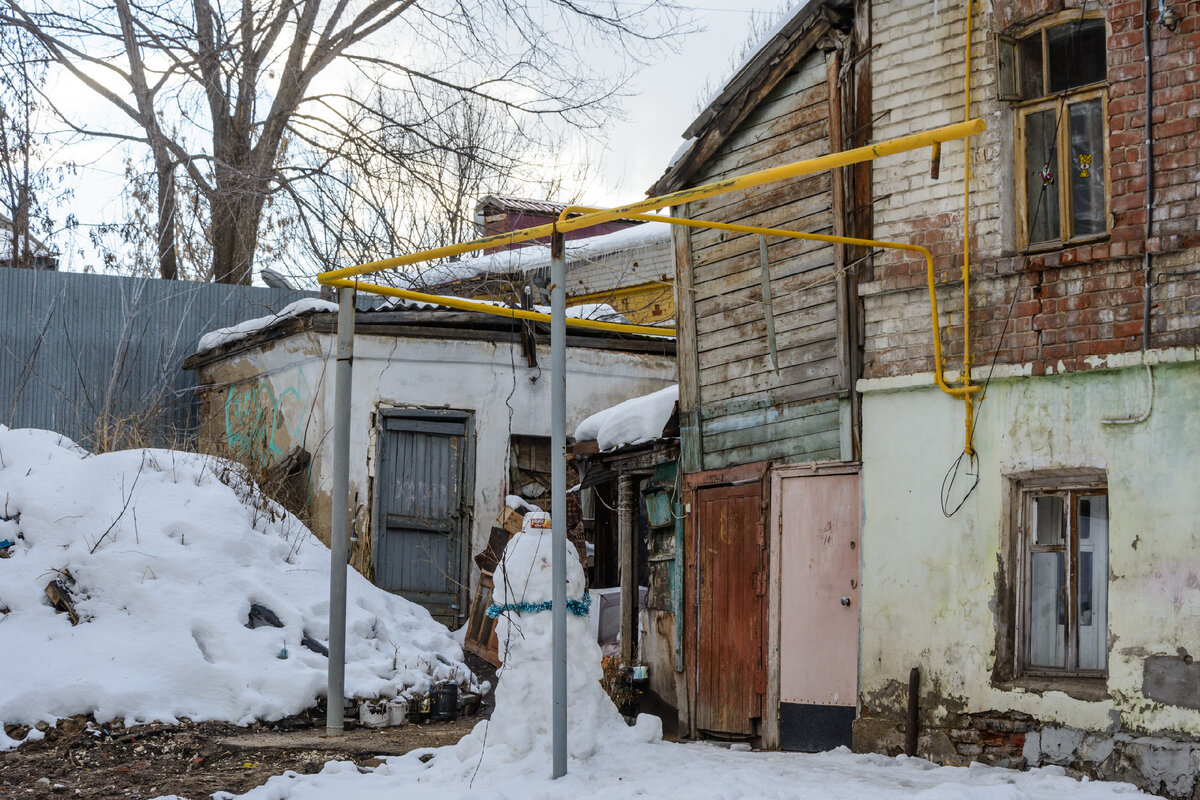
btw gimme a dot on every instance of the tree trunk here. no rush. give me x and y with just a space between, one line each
168 257
235 236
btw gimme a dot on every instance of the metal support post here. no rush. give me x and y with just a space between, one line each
558 496
339 544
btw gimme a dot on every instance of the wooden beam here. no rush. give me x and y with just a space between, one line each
628 566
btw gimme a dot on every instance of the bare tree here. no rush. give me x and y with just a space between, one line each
413 167
236 99
28 185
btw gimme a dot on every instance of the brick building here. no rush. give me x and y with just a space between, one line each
1036 561
1046 588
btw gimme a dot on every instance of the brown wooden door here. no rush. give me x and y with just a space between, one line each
730 678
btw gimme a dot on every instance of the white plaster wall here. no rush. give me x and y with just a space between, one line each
929 583
478 377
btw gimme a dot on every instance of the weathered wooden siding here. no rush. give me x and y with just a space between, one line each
748 410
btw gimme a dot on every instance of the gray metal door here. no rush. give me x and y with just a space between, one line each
422 520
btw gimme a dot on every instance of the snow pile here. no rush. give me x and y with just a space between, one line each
163 555
243 329
668 771
640 419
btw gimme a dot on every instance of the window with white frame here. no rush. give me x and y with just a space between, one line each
1063 534
1056 74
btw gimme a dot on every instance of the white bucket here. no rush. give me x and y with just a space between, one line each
397 712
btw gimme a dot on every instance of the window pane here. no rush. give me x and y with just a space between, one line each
1077 52
1048 521
1030 51
1093 581
1046 617
1041 176
1087 168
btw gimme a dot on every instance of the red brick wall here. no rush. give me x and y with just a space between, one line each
1079 302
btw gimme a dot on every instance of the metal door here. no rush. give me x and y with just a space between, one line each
818 604
730 679
422 520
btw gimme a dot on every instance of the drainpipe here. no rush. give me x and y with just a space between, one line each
1149 175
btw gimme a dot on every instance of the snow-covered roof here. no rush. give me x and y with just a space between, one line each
600 312
775 42
526 259
233 333
523 205
637 420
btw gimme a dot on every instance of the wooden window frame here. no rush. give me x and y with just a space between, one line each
1059 101
1070 490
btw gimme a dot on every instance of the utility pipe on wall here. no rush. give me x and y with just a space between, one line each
339 543
1146 297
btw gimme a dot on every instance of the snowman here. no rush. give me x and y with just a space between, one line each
521 723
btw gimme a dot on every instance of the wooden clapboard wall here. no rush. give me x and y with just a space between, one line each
743 409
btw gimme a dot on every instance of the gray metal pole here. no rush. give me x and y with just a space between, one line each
340 539
558 497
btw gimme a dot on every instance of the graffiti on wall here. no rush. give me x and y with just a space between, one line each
265 418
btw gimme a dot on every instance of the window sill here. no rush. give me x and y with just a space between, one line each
1043 248
1092 689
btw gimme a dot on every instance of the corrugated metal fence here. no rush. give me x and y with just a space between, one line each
78 350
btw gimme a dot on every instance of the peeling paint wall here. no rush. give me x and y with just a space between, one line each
935 591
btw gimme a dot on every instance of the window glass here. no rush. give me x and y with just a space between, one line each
1077 52
1086 129
1093 581
1048 520
1046 618
1041 176
1029 51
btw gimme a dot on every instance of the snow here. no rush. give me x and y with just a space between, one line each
640 419
510 756
243 329
681 151
597 311
168 551
668 771
537 256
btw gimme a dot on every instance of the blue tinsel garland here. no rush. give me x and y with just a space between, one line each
577 607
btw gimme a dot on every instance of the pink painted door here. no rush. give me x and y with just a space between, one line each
818 620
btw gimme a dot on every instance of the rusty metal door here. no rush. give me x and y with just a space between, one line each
730 676
818 605
422 519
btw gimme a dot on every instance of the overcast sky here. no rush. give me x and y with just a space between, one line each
663 101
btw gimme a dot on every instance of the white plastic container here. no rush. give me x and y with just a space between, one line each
374 715
397 711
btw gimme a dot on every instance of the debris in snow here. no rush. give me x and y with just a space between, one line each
220 336
172 557
640 419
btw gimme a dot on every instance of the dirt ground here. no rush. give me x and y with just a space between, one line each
195 759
